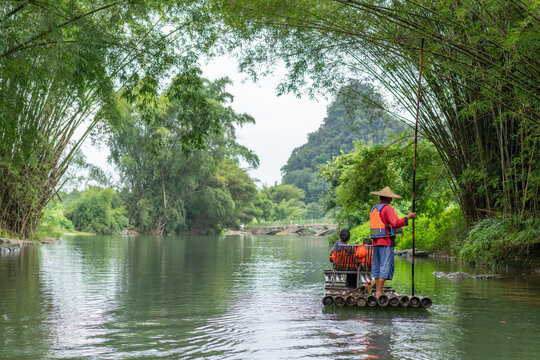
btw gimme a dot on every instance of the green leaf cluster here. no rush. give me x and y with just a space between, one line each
94 212
352 177
501 240
479 97
61 65
53 222
282 202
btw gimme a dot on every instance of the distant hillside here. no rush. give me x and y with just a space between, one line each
350 118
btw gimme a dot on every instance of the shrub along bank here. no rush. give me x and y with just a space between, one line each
432 234
502 240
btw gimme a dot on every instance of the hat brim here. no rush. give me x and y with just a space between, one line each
385 194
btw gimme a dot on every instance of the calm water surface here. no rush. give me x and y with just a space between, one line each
253 297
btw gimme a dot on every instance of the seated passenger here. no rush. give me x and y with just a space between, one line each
361 253
342 256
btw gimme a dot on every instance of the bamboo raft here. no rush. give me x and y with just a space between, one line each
339 293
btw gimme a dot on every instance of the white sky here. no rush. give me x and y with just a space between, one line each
282 123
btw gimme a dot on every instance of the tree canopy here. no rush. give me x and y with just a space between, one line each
62 64
480 96
175 182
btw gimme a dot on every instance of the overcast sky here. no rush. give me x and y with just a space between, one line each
282 123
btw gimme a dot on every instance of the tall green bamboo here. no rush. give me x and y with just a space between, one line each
62 65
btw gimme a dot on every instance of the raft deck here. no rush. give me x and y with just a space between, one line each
339 293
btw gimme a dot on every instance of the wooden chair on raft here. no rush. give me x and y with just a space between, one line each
345 263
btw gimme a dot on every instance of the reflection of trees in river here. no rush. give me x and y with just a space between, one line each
204 297
24 306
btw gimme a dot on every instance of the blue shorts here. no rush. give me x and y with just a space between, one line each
382 265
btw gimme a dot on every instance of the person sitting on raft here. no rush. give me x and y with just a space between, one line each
384 226
335 257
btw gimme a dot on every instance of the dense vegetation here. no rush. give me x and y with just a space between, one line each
173 183
371 167
127 71
354 116
97 211
479 104
480 97
62 64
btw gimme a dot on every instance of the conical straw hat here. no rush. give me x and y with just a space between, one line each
386 192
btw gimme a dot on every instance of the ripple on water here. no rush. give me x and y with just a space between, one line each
244 298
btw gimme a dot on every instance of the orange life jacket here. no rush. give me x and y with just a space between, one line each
377 229
343 258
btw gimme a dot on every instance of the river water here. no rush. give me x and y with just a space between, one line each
255 297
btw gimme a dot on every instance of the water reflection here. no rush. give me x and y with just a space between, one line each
245 298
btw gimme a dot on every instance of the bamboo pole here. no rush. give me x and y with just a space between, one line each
414 163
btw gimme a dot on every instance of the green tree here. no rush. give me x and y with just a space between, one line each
281 202
242 189
173 181
285 192
227 199
93 212
54 222
353 176
61 65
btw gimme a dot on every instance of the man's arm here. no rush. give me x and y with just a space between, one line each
391 217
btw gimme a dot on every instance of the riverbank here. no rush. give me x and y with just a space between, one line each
12 245
501 241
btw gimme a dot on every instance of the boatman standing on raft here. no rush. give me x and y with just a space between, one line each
384 226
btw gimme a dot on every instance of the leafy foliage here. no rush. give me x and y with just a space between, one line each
175 181
93 212
281 202
501 241
61 63
54 223
481 72
353 176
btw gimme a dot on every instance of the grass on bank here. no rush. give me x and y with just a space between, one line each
502 240
55 224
